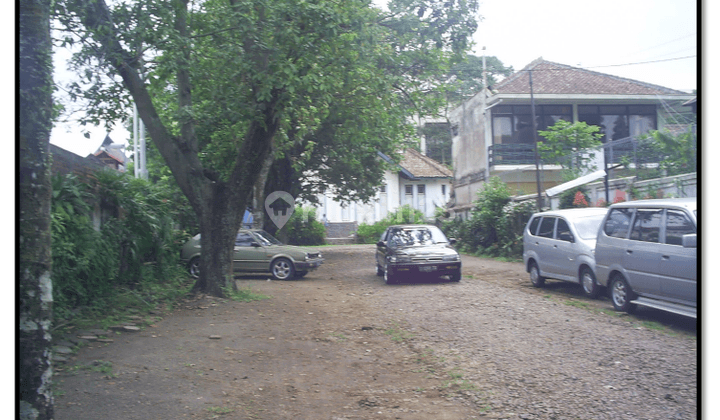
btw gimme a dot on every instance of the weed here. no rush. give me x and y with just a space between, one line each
339 336
398 334
99 366
577 304
244 295
220 410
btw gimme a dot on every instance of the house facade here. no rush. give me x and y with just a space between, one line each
493 136
416 180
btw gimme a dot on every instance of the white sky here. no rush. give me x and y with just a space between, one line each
606 36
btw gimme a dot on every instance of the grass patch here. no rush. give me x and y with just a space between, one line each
577 304
398 334
340 336
244 295
220 410
98 366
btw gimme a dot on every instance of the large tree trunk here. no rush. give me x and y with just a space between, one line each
35 285
219 204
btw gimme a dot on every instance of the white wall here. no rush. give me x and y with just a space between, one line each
387 202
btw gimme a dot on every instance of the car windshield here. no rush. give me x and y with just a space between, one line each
265 238
416 236
587 227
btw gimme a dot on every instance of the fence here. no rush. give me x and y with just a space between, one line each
629 188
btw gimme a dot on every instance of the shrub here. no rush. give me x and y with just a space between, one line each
495 225
137 248
369 234
303 228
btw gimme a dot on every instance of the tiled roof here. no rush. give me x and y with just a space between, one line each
421 166
554 78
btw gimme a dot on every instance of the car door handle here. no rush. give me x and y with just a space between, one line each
629 251
665 257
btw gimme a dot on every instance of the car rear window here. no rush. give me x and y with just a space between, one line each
533 225
587 227
677 225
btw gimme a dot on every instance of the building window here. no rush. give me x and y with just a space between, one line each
443 189
408 190
421 189
619 121
512 124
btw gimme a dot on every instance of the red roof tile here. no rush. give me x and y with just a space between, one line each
554 78
421 166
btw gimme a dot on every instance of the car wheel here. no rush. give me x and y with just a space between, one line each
282 269
455 276
379 271
535 277
622 295
389 279
589 285
194 267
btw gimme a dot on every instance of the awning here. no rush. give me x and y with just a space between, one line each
574 183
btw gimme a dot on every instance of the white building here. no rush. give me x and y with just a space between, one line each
416 180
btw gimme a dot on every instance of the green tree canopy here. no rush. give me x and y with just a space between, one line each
569 144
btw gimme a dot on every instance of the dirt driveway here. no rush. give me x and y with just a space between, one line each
340 344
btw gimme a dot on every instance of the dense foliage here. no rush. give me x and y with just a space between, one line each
495 226
661 153
303 228
570 145
370 234
136 248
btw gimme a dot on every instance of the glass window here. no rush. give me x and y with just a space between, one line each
640 124
677 224
647 226
563 231
408 189
244 239
513 124
619 121
546 227
502 130
534 225
618 223
421 188
587 227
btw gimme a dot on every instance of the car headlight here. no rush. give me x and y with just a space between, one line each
398 259
451 258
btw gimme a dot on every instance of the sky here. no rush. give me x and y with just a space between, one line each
611 37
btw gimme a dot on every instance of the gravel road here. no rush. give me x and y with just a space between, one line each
340 344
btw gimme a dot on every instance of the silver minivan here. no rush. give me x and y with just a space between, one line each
560 244
646 252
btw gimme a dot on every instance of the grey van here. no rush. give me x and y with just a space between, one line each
646 252
560 244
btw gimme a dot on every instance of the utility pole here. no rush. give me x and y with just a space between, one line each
534 131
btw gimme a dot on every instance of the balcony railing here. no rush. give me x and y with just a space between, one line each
524 154
511 154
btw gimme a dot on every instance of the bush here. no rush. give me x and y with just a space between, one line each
137 249
495 225
369 234
303 228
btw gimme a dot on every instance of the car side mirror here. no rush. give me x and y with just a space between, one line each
453 241
381 244
255 244
689 241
